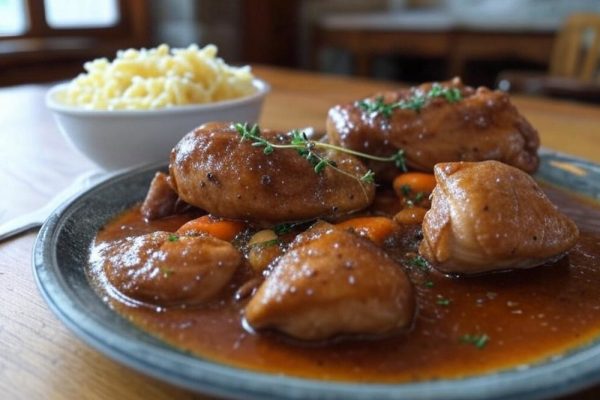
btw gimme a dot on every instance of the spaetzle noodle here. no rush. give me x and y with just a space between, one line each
158 78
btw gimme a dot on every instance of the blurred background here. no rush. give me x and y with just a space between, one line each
539 47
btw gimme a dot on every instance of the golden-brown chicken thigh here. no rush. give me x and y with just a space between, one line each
480 124
166 269
213 169
490 216
333 282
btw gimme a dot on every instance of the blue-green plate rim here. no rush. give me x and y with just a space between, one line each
129 345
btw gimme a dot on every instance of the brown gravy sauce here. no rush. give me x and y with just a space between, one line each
529 315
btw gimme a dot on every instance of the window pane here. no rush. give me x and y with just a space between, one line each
12 17
81 13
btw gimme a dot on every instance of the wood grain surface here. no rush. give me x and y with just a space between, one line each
39 357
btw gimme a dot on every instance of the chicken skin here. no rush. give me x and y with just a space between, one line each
213 169
489 216
166 269
333 282
476 125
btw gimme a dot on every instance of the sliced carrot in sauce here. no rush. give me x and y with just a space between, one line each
220 228
411 183
377 229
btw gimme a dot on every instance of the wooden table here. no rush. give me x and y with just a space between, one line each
39 357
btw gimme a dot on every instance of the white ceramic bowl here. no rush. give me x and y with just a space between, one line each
126 138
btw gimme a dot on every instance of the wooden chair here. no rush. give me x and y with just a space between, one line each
574 66
572 56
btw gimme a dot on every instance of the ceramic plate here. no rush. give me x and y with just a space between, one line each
61 252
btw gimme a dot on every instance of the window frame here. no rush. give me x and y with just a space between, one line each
37 27
43 53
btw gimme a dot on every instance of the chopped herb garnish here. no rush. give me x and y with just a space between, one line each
442 301
477 340
400 160
416 200
377 106
428 284
173 237
282 229
307 149
415 102
419 262
405 189
418 197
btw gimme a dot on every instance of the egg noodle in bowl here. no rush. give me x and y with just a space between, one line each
158 78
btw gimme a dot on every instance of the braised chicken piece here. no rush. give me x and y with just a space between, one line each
161 199
213 169
164 269
332 282
436 123
489 216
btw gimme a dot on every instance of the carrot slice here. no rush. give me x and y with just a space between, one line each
219 228
377 229
412 183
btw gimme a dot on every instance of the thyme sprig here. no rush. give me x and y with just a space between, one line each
415 102
307 149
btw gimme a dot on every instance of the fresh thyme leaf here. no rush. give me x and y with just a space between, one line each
282 229
268 149
442 301
173 237
477 340
312 158
428 284
415 103
271 242
299 138
377 106
368 177
405 189
419 197
436 90
419 262
321 165
400 161
242 130
453 95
